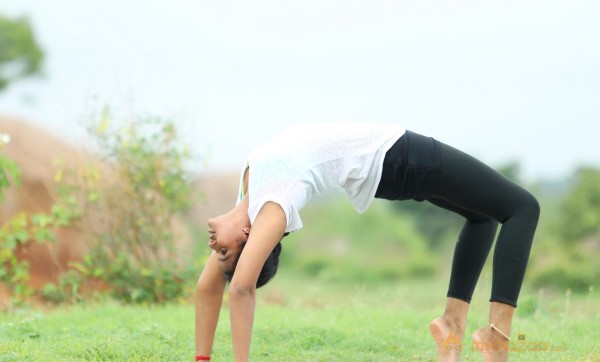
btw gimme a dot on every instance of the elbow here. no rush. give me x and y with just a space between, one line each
206 289
241 290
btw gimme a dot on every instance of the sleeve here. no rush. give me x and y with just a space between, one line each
241 194
292 215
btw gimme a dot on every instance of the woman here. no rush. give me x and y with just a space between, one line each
368 161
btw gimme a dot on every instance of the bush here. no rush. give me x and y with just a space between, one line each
20 230
566 268
127 207
337 244
9 171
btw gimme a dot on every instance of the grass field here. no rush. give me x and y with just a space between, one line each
299 320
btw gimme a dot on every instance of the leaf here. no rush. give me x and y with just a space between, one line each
103 126
42 220
93 196
22 236
58 176
44 235
98 272
80 267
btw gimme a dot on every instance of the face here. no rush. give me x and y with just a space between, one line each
226 238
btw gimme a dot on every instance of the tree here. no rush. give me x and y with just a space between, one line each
580 213
9 171
438 225
20 54
511 170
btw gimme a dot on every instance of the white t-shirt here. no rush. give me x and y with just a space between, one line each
315 159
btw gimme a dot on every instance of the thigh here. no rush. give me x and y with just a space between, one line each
467 214
410 168
470 185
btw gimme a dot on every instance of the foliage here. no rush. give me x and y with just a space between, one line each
17 232
13 271
20 230
512 171
126 207
9 171
441 227
20 54
15 236
375 246
383 245
568 238
66 291
438 226
569 273
581 208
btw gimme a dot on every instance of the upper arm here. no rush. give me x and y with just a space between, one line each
267 231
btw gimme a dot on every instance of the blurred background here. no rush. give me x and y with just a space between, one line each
118 116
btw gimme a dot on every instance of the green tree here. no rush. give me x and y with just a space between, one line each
580 212
440 226
20 54
9 171
511 170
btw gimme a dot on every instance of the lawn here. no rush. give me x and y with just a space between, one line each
299 320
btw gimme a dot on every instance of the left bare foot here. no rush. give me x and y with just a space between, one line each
448 339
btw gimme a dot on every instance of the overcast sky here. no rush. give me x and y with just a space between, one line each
502 80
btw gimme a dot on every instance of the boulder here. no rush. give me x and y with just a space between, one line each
36 152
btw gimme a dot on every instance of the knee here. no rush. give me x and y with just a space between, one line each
482 220
203 287
531 207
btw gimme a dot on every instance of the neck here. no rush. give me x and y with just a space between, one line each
240 211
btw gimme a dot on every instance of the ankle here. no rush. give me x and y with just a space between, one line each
457 323
456 315
501 316
500 326
456 310
498 331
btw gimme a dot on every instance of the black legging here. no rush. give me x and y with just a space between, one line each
455 181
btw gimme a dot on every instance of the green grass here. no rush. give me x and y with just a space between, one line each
300 320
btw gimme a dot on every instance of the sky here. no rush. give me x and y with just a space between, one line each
502 80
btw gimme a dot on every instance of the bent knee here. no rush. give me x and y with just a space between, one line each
481 219
530 207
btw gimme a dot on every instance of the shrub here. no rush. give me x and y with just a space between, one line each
127 206
565 267
20 230
9 171
337 244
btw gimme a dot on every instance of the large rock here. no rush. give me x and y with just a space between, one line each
36 152
217 193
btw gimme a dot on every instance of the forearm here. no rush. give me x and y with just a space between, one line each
208 307
266 233
241 306
209 297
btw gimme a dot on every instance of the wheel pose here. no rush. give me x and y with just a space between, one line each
368 161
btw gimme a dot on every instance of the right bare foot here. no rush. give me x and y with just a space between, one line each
448 337
493 347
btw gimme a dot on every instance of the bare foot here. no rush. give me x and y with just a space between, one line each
448 338
493 346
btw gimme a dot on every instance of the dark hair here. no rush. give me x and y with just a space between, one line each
268 270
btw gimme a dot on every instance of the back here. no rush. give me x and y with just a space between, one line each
314 159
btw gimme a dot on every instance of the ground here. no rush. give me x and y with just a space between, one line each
301 320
